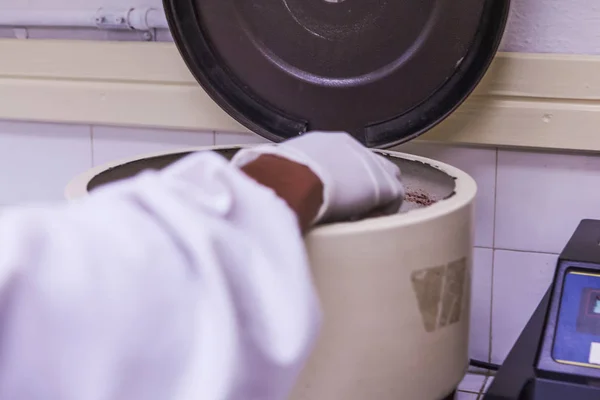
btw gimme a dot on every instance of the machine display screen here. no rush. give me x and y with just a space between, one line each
577 337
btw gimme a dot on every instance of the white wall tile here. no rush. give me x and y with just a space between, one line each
481 304
541 197
481 165
520 281
226 138
554 26
38 160
115 143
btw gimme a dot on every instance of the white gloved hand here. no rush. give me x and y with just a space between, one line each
356 180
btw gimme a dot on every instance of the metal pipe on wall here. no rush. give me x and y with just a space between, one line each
143 19
47 18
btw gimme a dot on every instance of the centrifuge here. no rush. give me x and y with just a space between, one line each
395 290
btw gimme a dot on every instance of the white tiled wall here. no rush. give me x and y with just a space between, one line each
556 188
37 160
238 138
481 304
527 206
539 26
520 280
111 143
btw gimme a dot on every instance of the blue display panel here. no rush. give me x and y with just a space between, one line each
577 337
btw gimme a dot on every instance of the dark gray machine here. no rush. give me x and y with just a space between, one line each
557 355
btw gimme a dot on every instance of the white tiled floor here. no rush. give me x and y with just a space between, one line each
541 197
473 387
114 143
481 165
481 304
38 160
466 396
520 281
472 383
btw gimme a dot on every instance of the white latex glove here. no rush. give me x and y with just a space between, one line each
356 180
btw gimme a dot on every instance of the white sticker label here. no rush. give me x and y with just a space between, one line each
595 354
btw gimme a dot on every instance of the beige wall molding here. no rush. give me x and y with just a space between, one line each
526 100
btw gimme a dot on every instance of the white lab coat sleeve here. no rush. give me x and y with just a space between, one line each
190 283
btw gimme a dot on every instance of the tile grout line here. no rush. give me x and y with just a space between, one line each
526 251
495 200
491 323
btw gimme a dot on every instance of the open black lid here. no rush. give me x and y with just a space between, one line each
384 70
